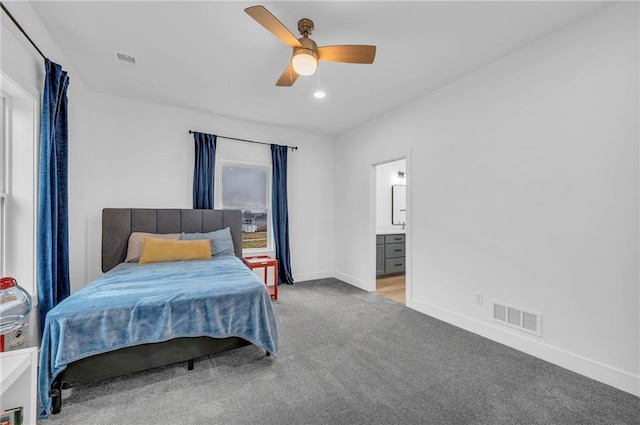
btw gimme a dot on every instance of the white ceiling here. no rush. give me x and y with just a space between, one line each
211 56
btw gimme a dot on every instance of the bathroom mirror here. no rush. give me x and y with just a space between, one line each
398 204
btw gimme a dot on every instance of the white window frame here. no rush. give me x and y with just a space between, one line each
21 176
5 155
267 168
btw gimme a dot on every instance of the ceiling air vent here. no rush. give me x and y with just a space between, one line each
518 318
124 60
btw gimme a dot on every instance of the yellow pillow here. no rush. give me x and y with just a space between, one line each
134 248
159 250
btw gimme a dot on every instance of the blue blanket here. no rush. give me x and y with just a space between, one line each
138 304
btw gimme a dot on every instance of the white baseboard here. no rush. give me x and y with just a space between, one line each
301 277
601 372
351 280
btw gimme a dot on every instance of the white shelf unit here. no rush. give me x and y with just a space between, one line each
18 381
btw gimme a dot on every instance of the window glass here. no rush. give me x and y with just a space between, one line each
245 187
3 136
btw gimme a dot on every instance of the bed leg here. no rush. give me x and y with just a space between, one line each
190 364
56 396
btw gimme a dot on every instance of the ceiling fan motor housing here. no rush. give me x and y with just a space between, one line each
309 47
305 26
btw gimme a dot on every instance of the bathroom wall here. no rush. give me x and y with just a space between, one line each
386 176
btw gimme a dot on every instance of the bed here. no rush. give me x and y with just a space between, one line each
140 316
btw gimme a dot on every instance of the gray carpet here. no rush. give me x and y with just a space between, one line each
351 357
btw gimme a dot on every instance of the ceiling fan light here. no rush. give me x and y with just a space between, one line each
304 61
319 93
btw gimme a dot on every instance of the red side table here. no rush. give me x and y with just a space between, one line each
264 262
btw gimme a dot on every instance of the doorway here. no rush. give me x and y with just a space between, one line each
391 224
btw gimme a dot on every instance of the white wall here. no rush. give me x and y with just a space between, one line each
141 155
525 188
387 176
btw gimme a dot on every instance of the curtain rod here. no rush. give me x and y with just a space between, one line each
22 30
293 148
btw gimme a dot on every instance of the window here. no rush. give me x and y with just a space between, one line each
4 173
246 187
19 111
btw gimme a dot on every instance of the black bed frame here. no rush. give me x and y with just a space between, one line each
117 225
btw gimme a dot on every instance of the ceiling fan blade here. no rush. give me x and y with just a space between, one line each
354 53
288 77
273 25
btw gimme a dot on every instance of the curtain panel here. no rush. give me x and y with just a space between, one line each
204 170
280 211
53 221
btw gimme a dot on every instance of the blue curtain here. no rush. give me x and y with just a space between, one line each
53 216
204 170
280 212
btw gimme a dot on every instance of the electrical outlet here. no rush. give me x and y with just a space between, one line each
479 297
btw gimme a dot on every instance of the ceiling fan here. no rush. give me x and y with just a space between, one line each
306 52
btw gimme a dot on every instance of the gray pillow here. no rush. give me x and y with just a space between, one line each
221 242
134 248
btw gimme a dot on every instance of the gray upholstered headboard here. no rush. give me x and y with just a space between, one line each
119 223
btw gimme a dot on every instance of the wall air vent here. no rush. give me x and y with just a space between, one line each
124 60
518 318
